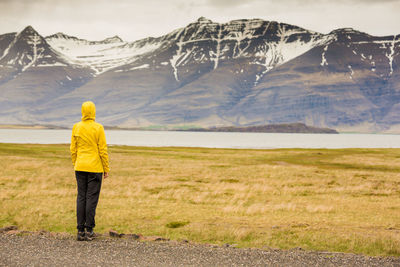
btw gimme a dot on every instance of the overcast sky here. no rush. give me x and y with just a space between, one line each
135 19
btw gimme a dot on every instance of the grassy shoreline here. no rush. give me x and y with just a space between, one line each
344 200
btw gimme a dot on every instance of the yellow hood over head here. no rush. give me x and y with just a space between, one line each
88 111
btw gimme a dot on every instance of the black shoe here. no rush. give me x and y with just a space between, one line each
81 236
90 235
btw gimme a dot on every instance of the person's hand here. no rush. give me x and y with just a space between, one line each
105 175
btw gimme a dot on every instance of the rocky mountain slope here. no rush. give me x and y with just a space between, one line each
240 73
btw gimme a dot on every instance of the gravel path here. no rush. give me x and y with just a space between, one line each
46 250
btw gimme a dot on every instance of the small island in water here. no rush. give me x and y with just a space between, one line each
270 128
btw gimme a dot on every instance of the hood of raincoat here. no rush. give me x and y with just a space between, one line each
88 111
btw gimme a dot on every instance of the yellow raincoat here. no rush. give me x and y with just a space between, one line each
88 143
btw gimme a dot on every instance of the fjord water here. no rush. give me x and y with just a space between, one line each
210 139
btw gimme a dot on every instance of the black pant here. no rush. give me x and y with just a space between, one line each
89 184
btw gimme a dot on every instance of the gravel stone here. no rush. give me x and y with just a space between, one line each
59 250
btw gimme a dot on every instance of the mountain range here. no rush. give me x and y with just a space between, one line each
241 73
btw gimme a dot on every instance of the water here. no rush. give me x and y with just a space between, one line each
208 139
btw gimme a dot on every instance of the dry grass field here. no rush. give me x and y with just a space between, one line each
344 200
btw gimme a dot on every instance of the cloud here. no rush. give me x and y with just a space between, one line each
234 3
131 20
228 3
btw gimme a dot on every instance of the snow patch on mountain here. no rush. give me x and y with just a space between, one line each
99 55
174 60
56 64
35 40
290 50
218 53
391 54
324 62
144 66
351 72
273 54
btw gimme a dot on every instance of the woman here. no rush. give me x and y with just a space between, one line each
90 159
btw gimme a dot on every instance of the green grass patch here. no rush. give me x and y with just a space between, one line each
176 224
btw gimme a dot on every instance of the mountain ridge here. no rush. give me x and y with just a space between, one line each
240 73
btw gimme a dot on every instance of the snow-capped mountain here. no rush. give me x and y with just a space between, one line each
33 73
26 49
269 43
244 72
236 39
